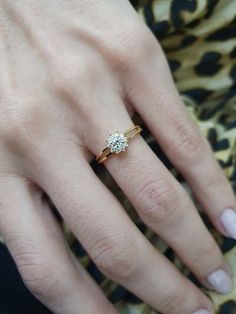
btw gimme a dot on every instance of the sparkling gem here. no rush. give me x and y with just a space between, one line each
117 142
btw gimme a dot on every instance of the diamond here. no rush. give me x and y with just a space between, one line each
117 142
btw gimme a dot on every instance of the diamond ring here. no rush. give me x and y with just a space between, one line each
118 142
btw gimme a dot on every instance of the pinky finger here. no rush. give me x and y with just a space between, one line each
41 254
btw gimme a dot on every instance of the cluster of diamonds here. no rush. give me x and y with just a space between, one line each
117 142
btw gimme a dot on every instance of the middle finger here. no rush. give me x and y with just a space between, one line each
115 244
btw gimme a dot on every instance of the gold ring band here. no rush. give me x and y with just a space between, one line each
118 142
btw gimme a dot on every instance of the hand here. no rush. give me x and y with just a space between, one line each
71 73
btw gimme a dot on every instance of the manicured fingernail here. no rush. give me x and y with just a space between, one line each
220 281
228 220
202 312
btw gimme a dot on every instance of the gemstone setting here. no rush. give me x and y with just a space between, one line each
117 142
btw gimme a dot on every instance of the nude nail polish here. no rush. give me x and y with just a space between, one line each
202 312
220 281
228 221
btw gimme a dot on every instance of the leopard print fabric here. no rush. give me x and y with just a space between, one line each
199 40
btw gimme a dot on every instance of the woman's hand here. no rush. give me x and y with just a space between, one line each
71 73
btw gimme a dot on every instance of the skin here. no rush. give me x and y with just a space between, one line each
71 73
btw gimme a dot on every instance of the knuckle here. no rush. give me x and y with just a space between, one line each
188 143
37 275
113 256
63 75
211 187
139 41
70 69
207 256
26 124
158 201
19 118
174 302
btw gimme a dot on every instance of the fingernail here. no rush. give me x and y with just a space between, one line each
202 312
220 281
228 220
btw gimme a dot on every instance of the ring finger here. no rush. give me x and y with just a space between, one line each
163 204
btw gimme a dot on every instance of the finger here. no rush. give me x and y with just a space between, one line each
111 239
161 107
41 255
164 205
